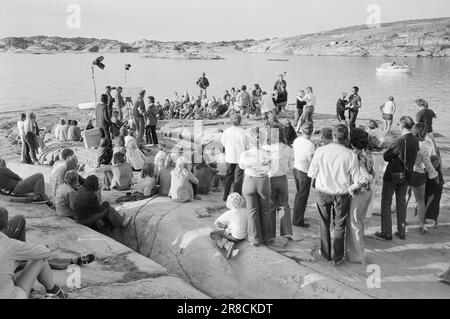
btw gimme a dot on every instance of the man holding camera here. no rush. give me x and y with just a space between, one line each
110 102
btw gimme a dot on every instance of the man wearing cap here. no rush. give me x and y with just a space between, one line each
303 153
203 84
138 114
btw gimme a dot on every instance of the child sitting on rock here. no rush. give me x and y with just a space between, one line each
232 224
147 182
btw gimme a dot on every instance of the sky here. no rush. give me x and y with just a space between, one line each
201 20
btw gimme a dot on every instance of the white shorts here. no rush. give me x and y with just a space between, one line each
19 293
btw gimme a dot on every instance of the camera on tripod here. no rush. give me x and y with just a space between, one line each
128 99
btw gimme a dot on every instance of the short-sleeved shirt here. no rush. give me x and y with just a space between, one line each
303 153
426 117
62 202
236 222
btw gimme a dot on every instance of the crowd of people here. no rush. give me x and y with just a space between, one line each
258 161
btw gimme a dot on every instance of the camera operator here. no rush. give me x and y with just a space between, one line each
138 114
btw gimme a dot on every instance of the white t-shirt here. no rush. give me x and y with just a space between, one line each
20 127
234 139
236 222
303 153
282 159
310 99
389 107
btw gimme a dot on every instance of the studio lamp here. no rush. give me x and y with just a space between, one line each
127 68
97 62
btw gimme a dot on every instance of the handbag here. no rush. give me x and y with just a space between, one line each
400 178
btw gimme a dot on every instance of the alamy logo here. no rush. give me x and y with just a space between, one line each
73 281
74 19
374 19
374 278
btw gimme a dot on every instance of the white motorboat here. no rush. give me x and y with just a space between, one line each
394 68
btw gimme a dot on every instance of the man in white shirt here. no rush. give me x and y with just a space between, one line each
25 153
303 153
234 140
308 109
334 168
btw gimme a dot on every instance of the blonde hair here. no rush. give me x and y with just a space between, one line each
160 158
235 201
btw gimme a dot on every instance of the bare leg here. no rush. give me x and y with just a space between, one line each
36 269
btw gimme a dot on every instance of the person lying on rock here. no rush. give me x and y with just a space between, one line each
232 224
89 209
11 183
12 243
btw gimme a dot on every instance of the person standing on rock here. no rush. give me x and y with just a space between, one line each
281 163
234 140
110 101
354 102
203 84
102 117
401 157
256 164
119 102
138 114
151 121
335 168
303 153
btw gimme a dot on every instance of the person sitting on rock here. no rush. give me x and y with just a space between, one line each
69 163
164 174
12 251
147 180
182 183
74 133
105 152
11 183
206 176
120 175
232 224
89 209
61 200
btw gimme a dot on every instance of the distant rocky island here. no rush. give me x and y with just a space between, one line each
422 38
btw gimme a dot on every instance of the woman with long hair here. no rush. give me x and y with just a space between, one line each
256 190
423 170
181 189
361 193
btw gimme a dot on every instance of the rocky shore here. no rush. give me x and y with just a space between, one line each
423 38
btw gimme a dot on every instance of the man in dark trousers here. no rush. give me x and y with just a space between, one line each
102 116
110 100
151 121
355 104
203 84
403 150
138 114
